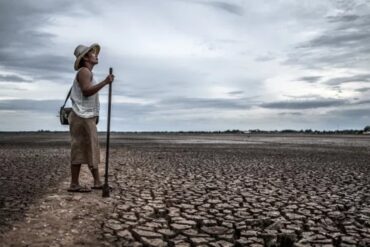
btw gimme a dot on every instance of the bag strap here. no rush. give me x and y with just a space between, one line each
69 94
70 90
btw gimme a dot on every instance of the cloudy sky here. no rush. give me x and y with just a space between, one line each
191 64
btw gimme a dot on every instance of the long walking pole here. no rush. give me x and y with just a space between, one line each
106 188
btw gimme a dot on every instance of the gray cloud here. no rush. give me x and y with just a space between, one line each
263 58
198 103
303 104
343 18
12 78
344 43
347 118
222 5
130 110
228 7
291 113
43 66
133 110
355 78
51 106
23 45
310 79
361 102
352 114
235 92
363 89
339 40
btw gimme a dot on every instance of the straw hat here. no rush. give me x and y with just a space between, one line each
81 51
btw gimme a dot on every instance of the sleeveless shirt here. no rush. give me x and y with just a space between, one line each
85 107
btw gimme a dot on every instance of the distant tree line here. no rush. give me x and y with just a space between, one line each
258 131
366 130
310 131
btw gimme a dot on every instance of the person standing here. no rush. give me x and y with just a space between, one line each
84 117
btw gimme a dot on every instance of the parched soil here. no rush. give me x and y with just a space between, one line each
27 172
182 190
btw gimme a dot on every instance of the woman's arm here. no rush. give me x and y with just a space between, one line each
84 79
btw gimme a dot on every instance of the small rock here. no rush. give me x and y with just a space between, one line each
167 232
198 241
114 225
221 243
146 234
123 207
348 240
249 233
292 216
214 230
154 242
179 227
273 214
125 234
277 225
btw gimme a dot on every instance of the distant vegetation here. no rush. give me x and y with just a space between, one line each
310 131
366 130
258 131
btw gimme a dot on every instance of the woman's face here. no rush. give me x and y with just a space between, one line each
91 57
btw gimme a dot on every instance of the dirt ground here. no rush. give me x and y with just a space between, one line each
189 190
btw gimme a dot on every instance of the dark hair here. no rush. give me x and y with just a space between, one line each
82 61
81 64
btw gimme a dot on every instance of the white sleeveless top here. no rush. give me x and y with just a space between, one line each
85 107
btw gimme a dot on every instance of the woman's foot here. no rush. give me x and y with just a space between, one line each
79 189
97 186
100 187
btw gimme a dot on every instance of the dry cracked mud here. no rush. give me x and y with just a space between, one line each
217 191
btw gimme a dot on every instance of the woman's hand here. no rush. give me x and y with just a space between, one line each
109 79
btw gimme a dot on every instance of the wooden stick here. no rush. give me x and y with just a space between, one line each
106 189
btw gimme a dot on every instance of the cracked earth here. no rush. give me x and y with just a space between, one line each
182 190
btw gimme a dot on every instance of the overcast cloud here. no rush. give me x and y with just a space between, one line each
191 64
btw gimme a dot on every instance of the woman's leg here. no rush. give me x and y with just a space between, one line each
75 174
96 176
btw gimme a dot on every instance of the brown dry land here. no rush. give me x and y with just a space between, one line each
189 190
